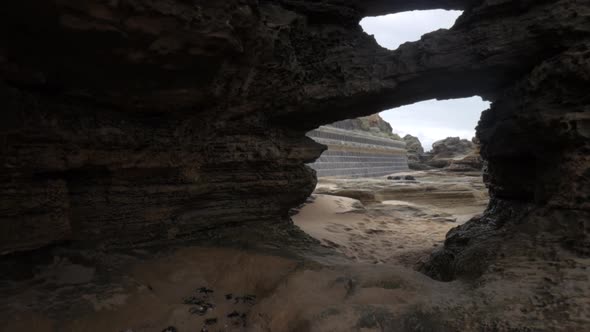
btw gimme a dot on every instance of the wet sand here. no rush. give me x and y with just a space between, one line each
379 227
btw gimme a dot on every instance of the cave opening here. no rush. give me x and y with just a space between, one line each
392 30
143 193
391 185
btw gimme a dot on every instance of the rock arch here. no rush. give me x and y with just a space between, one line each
129 124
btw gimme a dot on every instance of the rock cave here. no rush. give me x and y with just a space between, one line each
152 149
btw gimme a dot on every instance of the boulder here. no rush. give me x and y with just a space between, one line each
471 162
452 147
413 145
445 151
416 155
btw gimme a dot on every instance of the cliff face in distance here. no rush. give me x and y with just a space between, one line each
129 124
372 124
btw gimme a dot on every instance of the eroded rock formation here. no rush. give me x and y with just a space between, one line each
373 124
451 147
413 144
132 123
452 153
416 156
445 151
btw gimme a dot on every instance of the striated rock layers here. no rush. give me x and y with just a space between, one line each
130 123
361 147
354 153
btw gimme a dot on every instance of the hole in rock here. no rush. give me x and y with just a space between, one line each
391 185
392 30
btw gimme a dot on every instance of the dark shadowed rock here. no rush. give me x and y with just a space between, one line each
129 124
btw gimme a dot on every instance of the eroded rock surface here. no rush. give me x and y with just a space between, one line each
144 122
129 124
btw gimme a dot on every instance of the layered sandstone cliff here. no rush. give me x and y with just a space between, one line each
356 153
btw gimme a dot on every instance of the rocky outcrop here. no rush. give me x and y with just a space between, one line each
446 151
451 147
413 145
129 124
452 153
471 162
415 152
373 124
417 159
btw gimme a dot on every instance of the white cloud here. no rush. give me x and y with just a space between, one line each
390 31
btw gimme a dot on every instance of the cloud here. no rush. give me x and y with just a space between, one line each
390 31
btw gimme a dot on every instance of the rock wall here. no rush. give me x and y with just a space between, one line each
356 154
132 123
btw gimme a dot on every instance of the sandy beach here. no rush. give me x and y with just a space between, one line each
391 221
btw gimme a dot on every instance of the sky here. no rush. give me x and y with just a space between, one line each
431 120
434 120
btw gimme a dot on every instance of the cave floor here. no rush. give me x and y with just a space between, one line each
360 279
381 221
